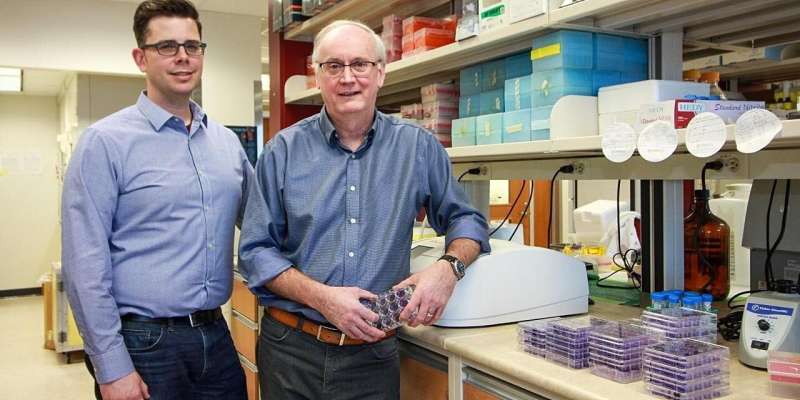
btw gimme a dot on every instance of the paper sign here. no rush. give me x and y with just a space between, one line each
657 141
755 129
618 142
705 134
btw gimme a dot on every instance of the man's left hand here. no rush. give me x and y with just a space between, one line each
434 285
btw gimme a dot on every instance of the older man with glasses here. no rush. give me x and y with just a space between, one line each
151 198
329 224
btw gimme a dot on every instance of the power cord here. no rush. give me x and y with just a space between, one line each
627 259
508 214
567 169
525 212
471 171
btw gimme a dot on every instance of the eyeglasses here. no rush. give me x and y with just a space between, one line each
357 68
171 47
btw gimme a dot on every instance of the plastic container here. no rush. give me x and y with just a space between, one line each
411 111
440 110
518 93
493 75
659 300
392 25
609 51
693 302
563 49
415 23
602 78
517 126
518 65
784 374
706 250
540 118
549 86
615 374
489 129
707 299
433 38
407 43
469 105
444 92
493 101
439 126
463 132
470 80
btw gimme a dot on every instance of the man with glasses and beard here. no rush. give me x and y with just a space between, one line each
329 224
150 203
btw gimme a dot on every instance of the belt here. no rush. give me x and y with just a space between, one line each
325 334
195 319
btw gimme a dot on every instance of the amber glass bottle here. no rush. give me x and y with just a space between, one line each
706 270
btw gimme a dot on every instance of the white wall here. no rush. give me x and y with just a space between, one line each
29 232
96 36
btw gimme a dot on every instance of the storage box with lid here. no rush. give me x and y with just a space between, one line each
489 129
493 75
463 132
549 86
493 101
518 93
540 122
470 80
563 49
517 126
469 106
518 65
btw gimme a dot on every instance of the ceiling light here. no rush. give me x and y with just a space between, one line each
10 80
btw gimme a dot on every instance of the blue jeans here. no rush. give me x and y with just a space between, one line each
294 365
181 362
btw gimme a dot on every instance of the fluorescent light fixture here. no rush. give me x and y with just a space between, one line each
10 80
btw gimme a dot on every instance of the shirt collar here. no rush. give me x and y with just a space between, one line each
329 130
158 117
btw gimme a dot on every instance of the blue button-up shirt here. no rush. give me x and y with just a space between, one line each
345 218
149 213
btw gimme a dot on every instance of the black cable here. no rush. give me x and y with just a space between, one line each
508 214
771 249
525 212
767 268
471 171
624 264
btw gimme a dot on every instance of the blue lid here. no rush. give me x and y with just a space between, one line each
675 291
658 296
708 297
674 298
692 300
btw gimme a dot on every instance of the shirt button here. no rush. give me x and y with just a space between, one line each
211 245
352 188
207 208
352 220
353 156
351 254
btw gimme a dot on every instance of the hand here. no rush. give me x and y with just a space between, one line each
434 284
129 387
341 307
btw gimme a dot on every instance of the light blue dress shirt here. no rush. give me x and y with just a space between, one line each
149 213
345 218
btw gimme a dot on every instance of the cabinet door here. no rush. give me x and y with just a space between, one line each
423 374
472 392
481 386
242 300
245 335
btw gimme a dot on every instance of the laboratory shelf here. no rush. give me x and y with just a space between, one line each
538 159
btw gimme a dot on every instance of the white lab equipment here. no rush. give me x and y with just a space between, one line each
732 208
628 238
593 220
513 283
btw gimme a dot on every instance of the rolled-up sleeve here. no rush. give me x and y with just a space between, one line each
264 226
448 208
89 201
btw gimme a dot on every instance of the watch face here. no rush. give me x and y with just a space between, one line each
461 268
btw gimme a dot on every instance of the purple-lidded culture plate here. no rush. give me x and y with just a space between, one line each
686 353
712 393
388 306
614 374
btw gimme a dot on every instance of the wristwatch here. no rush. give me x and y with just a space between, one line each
458 267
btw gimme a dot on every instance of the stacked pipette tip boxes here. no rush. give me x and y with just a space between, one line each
532 335
615 350
686 369
682 323
568 341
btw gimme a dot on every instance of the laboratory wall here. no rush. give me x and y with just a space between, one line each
95 36
29 231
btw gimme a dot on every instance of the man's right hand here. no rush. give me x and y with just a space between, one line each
341 307
129 387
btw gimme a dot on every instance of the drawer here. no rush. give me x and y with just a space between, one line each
243 300
251 379
245 336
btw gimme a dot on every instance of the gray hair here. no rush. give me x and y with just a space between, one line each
380 48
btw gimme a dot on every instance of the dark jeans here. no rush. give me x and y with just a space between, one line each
294 365
181 362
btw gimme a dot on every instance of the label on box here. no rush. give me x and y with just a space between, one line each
657 141
705 134
618 142
546 51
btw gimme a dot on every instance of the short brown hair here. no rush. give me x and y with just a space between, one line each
150 9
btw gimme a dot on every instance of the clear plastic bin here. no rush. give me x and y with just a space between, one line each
563 49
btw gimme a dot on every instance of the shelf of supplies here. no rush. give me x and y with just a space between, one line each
589 146
428 67
370 13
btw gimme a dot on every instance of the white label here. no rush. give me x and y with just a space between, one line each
755 129
657 141
618 142
705 134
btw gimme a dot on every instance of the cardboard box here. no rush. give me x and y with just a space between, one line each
680 112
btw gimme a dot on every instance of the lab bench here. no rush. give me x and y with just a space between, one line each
487 363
